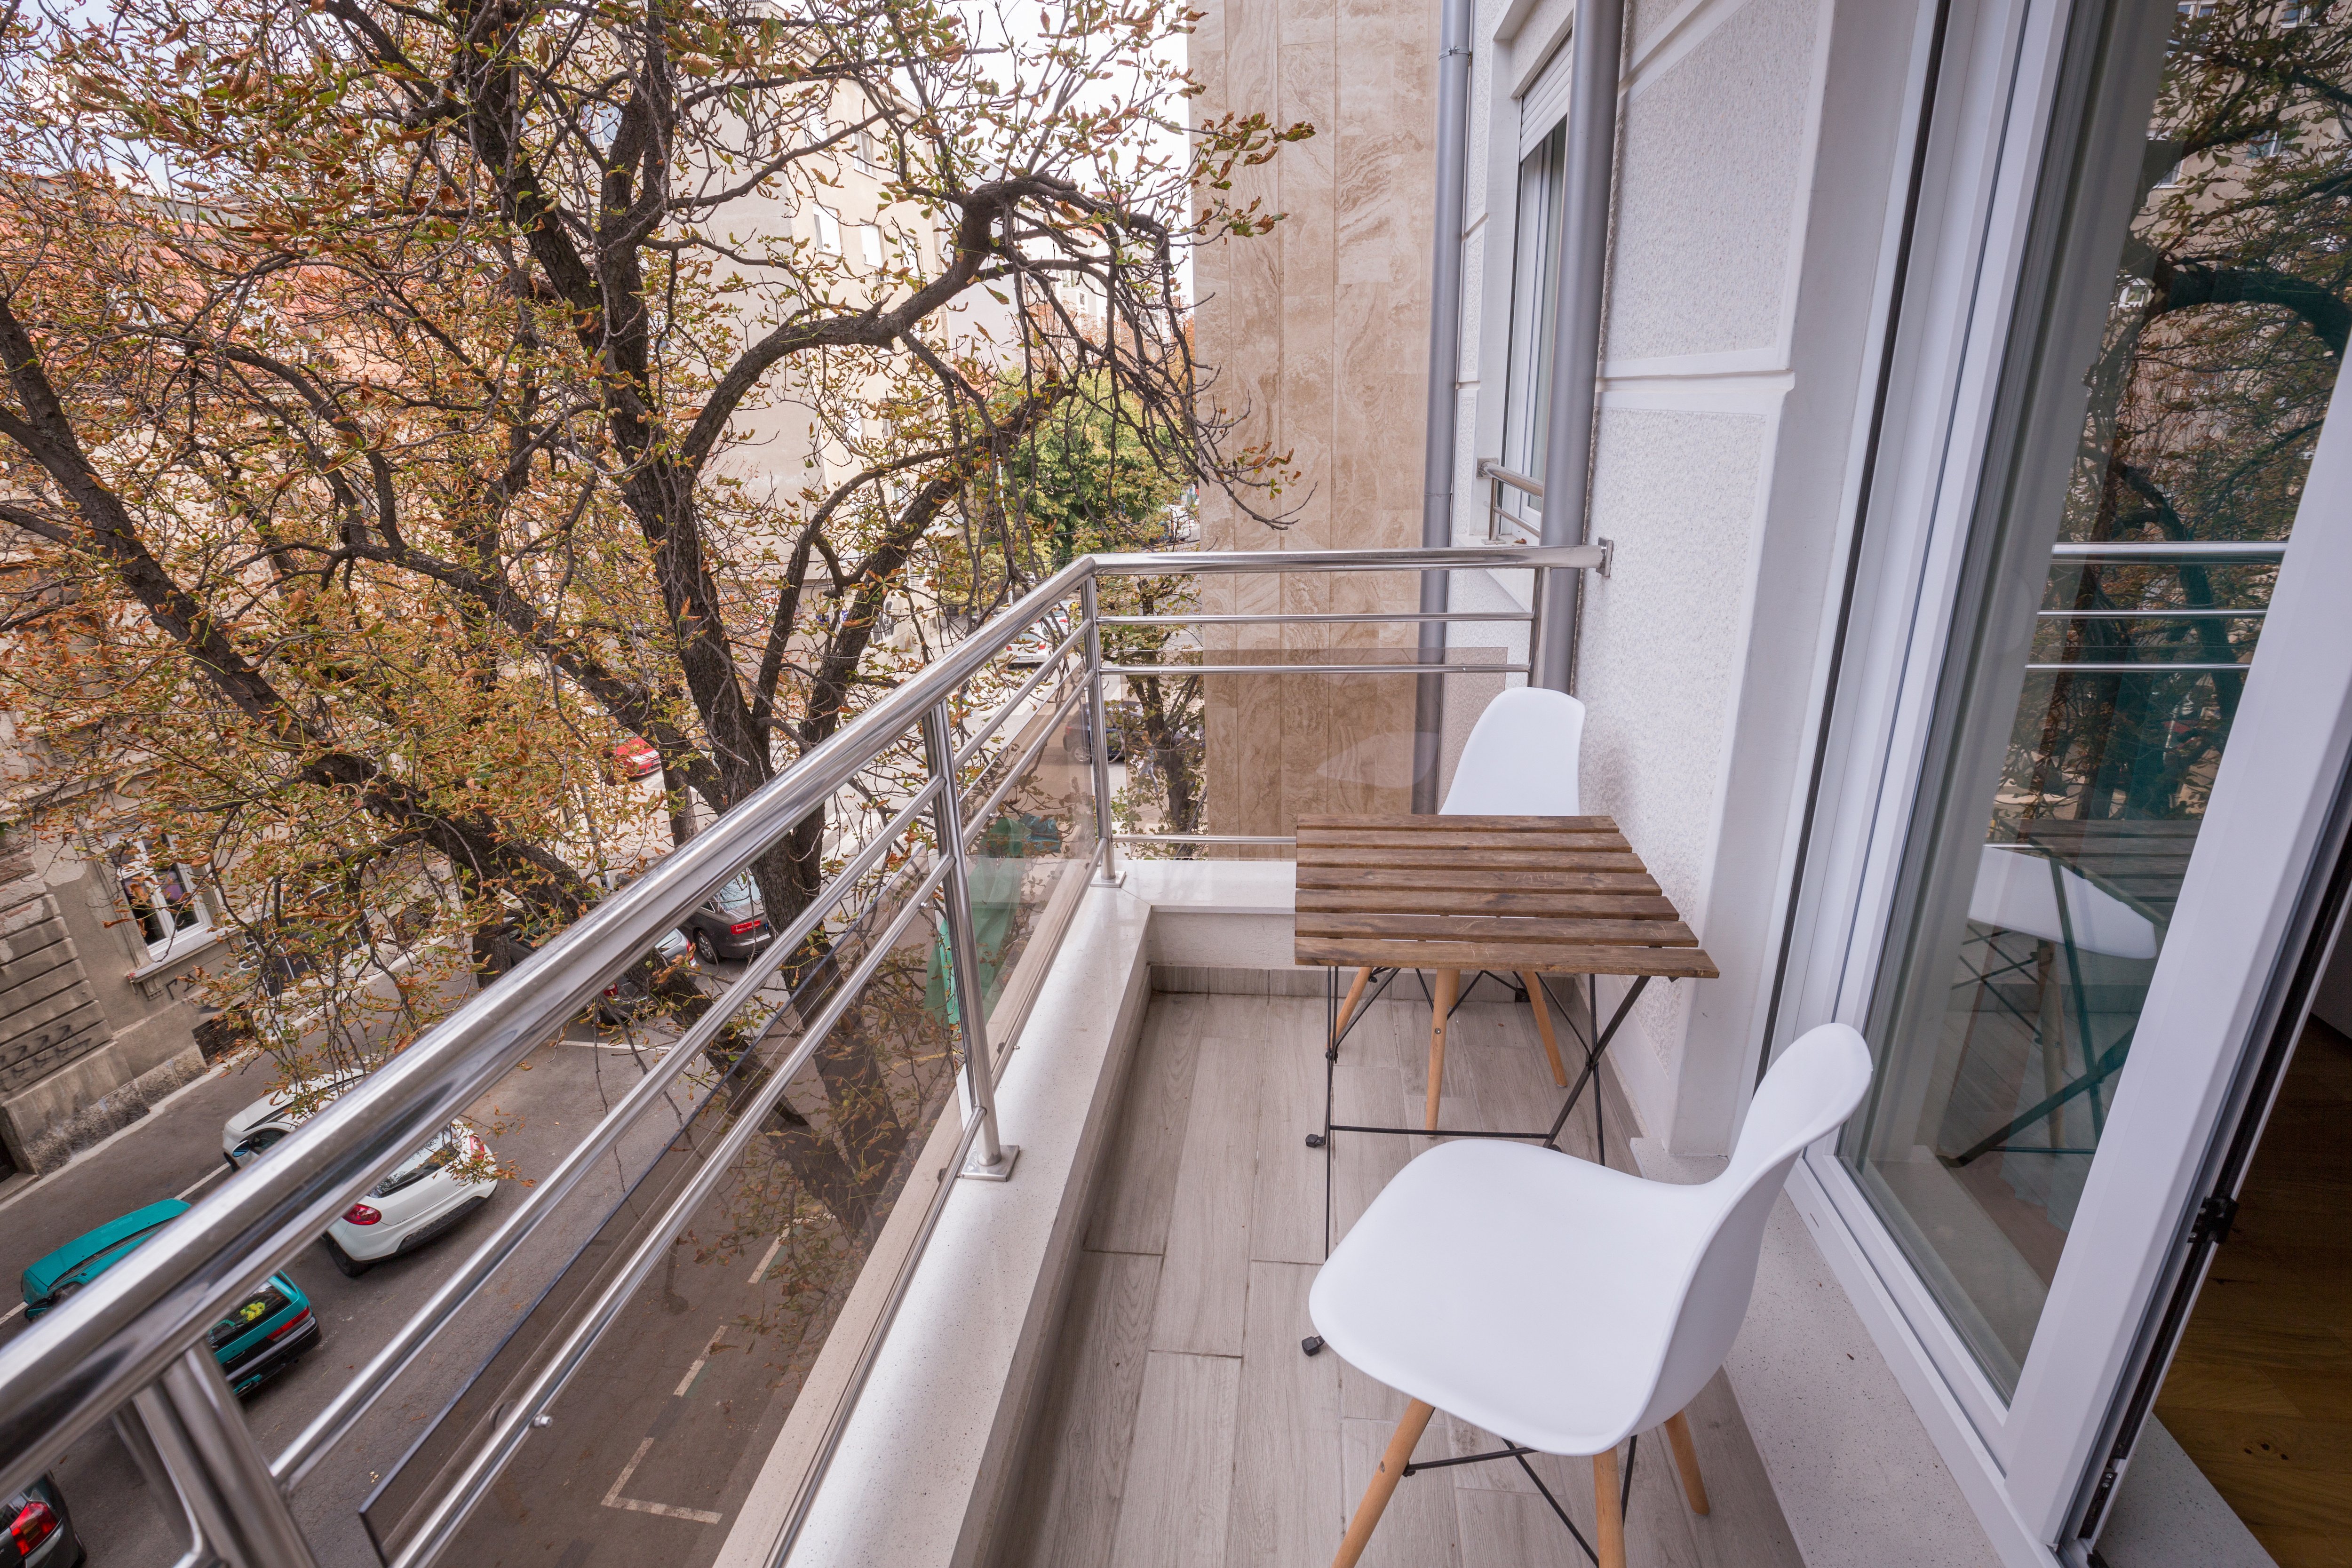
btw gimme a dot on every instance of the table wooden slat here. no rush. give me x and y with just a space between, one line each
1497 859
1552 895
1672 962
1473 878
1502 928
1483 900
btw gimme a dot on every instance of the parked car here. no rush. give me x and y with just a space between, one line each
633 759
252 1131
628 996
1031 647
268 1331
731 923
425 1195
1078 735
41 1531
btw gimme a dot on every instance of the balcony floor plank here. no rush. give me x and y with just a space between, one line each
1254 1456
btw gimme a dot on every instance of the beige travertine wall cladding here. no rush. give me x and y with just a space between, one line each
1319 336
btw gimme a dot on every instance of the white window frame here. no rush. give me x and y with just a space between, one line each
131 857
828 228
2021 1462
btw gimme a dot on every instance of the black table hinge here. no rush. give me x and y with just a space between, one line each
2214 1218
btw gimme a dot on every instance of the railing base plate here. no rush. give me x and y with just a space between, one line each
1000 1172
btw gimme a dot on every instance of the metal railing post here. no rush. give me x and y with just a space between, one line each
1106 868
200 1436
991 1160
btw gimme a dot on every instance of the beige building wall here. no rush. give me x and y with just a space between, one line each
1318 338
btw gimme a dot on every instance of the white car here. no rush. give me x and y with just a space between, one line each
251 1133
425 1194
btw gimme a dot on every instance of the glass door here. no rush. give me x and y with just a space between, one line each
2186 294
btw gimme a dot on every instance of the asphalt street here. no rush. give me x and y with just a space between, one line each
543 1107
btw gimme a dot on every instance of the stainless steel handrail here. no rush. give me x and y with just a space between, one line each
138 1320
2226 552
73 1367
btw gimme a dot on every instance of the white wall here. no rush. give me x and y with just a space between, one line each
1756 173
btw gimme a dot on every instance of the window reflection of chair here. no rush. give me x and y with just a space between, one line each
2028 894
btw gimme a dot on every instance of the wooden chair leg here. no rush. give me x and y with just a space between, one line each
1678 1437
1449 986
1609 1517
1543 1025
1347 1008
1384 1482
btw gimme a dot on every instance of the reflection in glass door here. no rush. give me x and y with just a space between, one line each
2115 595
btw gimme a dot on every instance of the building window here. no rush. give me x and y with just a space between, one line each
1535 306
869 240
828 230
162 897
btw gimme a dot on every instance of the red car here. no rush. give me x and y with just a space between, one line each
634 758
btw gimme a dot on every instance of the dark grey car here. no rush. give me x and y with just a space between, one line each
731 923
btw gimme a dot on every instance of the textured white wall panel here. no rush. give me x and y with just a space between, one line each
1714 151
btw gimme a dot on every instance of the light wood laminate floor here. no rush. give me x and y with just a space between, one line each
2260 1392
1182 1426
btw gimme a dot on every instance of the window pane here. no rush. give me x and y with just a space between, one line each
1535 293
2048 847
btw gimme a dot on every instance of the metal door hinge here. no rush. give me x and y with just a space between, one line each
2214 1218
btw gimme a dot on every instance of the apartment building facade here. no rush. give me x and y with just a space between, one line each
1960 361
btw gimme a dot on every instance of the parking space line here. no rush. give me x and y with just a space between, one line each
699 1362
774 1248
613 1499
216 1174
11 1312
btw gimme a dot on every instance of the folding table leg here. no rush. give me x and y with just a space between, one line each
1535 1000
1347 1008
1449 982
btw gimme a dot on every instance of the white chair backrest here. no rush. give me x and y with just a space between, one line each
1520 760
2017 889
1810 1091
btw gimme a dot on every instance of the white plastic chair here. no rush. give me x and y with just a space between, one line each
1561 1305
2017 889
1520 761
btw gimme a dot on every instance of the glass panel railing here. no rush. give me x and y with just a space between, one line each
694 1116
1294 694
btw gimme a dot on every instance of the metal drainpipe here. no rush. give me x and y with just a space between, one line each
1444 397
1599 41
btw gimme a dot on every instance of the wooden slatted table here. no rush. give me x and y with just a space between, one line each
1521 895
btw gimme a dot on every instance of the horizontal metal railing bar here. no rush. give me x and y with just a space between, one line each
2140 667
72 1367
2151 615
1021 694
1314 619
1203 838
1480 558
356 1398
475 1480
2225 552
1490 470
1315 669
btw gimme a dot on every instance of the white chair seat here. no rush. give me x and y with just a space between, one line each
1527 1291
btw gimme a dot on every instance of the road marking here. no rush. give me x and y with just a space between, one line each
11 1312
614 1500
699 1362
774 1248
208 1177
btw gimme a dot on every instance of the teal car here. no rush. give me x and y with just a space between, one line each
269 1331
